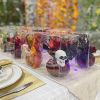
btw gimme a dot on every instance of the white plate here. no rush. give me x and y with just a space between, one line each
16 75
6 73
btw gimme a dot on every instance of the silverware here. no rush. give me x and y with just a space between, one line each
1 66
18 89
5 64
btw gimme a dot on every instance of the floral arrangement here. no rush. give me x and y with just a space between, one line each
57 13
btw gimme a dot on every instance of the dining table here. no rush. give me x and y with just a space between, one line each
79 84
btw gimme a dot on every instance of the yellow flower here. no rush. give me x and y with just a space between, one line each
75 1
98 11
60 14
94 25
73 28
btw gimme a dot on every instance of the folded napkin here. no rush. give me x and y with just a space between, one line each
97 57
97 60
26 78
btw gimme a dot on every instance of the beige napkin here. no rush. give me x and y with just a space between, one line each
26 78
97 60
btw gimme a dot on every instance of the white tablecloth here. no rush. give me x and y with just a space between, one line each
50 91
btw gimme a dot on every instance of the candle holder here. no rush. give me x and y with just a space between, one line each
34 57
67 47
17 51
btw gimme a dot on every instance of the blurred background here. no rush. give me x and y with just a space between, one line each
23 12
12 12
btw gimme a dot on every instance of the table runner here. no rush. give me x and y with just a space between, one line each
83 83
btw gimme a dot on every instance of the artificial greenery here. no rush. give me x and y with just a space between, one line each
89 16
11 12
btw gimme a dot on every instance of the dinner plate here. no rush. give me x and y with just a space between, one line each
16 75
5 73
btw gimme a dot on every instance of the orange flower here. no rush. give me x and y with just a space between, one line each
73 28
60 13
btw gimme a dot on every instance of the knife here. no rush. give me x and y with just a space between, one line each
5 64
18 89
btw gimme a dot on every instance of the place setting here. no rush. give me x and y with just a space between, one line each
15 81
49 49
